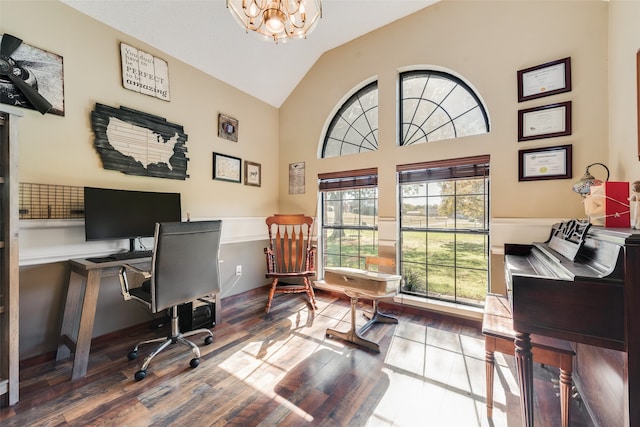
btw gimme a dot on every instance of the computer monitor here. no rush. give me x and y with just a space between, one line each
124 214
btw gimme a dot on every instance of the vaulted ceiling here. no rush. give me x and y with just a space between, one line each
203 33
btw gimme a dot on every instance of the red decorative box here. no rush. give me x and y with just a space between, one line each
608 204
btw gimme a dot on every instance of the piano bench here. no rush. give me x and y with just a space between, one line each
497 328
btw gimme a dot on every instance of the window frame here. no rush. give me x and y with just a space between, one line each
351 99
443 74
439 171
347 181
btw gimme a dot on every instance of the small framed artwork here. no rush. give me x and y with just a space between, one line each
547 121
252 173
545 163
226 168
296 178
544 80
227 128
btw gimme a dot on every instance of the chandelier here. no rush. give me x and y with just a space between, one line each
277 19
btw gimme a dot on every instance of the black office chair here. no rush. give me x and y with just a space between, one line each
184 268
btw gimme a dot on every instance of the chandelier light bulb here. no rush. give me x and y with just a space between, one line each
274 20
277 19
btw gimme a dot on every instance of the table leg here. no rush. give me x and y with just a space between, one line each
68 330
352 335
524 361
85 331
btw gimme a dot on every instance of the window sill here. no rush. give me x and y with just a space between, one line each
442 307
449 308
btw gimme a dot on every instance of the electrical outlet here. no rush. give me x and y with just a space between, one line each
238 270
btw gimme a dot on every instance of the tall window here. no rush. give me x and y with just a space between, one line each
354 128
444 229
349 217
435 105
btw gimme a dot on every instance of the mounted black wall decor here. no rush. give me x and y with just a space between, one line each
137 143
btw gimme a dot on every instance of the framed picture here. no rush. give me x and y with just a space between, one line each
252 173
296 178
226 168
144 73
545 163
544 80
547 121
36 68
227 128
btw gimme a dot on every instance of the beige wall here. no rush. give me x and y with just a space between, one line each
484 42
624 43
59 150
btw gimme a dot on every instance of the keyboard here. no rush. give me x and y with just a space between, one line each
122 256
119 256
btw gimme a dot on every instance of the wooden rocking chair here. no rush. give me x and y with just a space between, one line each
290 255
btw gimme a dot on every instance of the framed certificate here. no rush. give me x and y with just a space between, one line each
544 122
544 80
545 163
226 168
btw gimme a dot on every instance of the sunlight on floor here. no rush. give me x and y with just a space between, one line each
439 374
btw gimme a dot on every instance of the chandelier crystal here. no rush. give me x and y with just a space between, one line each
277 19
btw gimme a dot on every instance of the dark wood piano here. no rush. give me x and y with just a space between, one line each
582 285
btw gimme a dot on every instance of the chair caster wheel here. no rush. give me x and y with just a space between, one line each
140 375
208 340
132 355
194 362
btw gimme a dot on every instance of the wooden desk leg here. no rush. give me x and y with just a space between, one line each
69 331
85 331
524 361
489 346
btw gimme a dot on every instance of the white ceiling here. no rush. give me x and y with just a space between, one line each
203 33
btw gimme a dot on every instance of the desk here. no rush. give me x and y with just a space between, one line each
80 309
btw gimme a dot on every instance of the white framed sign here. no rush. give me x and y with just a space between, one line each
144 73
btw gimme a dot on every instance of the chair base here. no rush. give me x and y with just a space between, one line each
292 289
355 336
174 337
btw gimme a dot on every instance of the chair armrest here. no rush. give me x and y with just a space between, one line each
144 272
124 282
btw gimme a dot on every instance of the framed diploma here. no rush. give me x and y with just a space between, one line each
545 163
544 80
547 121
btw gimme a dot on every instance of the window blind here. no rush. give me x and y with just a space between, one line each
346 180
467 167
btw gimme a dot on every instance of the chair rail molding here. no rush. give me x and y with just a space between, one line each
47 241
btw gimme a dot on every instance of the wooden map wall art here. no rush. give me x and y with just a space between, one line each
138 143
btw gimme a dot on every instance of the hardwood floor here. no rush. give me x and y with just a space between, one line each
280 369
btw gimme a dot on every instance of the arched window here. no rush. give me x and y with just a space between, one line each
354 128
435 105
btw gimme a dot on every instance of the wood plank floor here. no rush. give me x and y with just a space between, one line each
281 369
